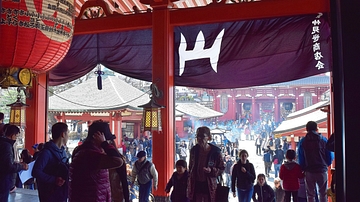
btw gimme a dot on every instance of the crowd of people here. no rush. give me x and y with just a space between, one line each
99 172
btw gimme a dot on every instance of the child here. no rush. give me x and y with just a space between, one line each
290 173
262 191
179 181
279 192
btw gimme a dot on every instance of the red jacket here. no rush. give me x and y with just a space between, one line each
290 172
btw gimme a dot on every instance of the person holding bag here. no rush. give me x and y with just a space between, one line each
243 176
205 165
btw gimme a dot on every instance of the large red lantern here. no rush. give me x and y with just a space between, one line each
35 34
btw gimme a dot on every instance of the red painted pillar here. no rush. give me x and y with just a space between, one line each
117 128
36 113
163 78
253 110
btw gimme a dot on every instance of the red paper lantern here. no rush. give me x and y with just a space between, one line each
35 34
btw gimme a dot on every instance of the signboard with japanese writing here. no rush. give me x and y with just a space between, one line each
220 55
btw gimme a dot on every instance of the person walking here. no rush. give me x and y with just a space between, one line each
278 160
205 165
314 159
243 176
228 164
262 191
146 174
182 152
267 162
178 181
258 143
8 166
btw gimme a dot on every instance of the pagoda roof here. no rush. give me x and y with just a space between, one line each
197 110
116 94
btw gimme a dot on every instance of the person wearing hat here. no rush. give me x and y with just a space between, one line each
144 171
89 175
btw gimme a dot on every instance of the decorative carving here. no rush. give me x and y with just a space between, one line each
94 9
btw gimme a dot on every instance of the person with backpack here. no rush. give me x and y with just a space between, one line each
145 172
50 169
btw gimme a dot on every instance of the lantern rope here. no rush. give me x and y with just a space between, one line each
112 106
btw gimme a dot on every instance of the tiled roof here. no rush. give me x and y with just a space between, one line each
115 94
307 109
197 110
300 122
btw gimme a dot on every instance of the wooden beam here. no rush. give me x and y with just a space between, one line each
114 23
202 15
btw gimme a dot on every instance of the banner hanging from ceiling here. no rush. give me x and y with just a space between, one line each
221 55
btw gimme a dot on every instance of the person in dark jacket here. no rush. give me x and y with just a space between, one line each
178 180
278 159
228 165
205 165
50 168
278 190
314 159
89 175
243 176
7 166
118 180
262 191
